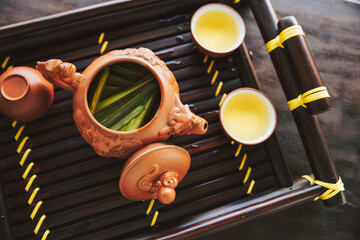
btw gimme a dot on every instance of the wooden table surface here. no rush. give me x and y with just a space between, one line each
332 30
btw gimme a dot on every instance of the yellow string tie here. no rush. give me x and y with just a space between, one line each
205 58
236 1
13 124
333 188
33 195
210 66
283 36
10 67
38 225
154 218
21 145
103 47
242 162
46 233
238 150
309 96
28 169
232 142
36 209
222 99
252 183
30 182
150 206
218 89
17 135
247 175
101 38
5 62
214 77
24 156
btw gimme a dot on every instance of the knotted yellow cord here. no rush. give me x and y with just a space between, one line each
309 96
283 36
334 188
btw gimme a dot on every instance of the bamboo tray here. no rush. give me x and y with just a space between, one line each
78 195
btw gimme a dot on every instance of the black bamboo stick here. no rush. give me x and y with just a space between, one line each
309 76
310 132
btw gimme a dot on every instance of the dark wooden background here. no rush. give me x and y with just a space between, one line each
332 30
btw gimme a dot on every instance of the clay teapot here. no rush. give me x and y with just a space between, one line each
172 117
24 94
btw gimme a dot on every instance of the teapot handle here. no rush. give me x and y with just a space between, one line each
59 73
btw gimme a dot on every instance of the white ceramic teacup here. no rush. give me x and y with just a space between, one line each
217 29
248 116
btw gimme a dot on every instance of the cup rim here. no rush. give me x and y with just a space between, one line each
4 91
262 95
237 17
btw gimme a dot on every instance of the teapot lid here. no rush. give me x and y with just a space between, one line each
154 171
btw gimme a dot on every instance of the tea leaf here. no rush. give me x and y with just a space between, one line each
130 72
125 120
118 81
109 90
123 110
138 84
99 90
137 122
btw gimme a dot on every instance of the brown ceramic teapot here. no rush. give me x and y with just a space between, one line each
172 117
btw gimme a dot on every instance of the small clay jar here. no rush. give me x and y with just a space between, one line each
172 117
24 94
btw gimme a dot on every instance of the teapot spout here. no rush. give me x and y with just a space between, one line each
182 121
198 126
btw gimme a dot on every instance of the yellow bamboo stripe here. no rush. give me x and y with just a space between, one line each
101 38
214 77
232 142
24 156
222 99
150 206
247 175
218 89
10 67
5 62
45 235
38 225
17 135
333 188
236 1
283 36
205 58
30 182
309 96
26 172
154 218
36 209
33 195
21 145
242 162
13 124
103 48
238 150
210 66
252 183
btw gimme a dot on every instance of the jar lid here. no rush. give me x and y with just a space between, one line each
153 172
